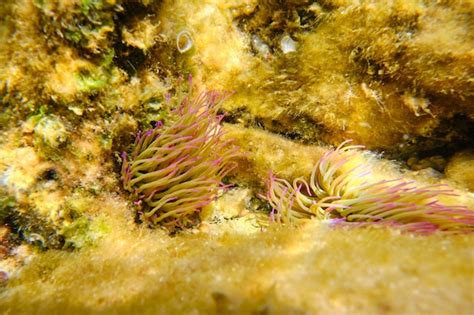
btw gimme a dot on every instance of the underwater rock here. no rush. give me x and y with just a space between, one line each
79 77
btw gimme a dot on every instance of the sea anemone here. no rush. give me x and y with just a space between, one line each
174 170
339 191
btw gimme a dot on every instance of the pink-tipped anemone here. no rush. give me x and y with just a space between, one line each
339 192
173 171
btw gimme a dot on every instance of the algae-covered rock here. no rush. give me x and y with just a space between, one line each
49 133
460 169
385 74
81 79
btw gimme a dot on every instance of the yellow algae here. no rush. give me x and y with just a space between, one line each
460 169
339 271
143 34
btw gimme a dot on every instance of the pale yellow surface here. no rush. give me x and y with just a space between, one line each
310 270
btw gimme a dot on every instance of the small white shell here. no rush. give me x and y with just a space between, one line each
260 46
287 44
184 41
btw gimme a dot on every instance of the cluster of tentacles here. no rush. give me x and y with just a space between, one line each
175 170
339 190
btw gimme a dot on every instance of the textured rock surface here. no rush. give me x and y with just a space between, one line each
78 78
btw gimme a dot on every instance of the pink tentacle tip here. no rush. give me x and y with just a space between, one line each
123 156
226 187
336 221
272 214
217 162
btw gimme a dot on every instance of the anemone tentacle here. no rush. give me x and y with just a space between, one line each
338 191
175 170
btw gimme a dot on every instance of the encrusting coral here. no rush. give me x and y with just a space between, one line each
175 170
338 190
